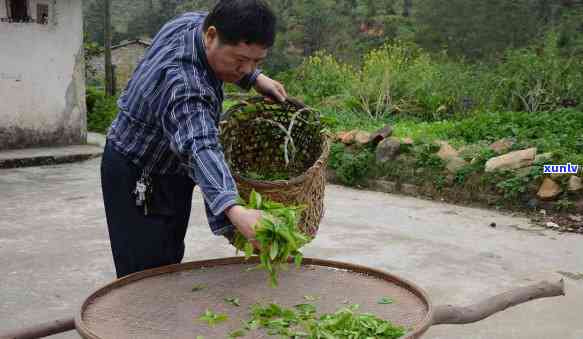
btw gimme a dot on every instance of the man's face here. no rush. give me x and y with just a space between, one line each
231 62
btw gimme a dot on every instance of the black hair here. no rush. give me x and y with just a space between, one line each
248 21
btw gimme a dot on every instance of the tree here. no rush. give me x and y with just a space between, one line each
476 28
109 82
407 8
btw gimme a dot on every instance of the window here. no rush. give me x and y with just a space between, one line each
42 14
18 11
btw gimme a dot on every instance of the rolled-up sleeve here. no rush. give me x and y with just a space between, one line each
192 131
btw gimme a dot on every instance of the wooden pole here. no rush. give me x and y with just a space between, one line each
448 314
109 90
42 330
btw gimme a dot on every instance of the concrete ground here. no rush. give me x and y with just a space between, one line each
54 251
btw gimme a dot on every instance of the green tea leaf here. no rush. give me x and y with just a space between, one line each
274 250
298 259
277 233
237 334
198 287
233 301
248 250
255 200
385 301
213 318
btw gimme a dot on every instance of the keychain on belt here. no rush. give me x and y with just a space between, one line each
143 191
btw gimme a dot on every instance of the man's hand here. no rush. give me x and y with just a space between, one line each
266 86
245 220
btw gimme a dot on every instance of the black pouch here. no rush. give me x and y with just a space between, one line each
161 196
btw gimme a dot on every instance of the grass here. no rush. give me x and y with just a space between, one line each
558 132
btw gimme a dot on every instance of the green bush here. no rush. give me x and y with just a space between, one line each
351 168
537 78
558 131
426 157
318 77
101 110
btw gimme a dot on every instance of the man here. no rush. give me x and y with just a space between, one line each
165 137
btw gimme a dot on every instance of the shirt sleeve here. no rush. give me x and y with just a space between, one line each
192 130
248 80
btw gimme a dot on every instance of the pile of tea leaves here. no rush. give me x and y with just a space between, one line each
302 321
277 233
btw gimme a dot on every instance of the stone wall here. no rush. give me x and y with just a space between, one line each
125 58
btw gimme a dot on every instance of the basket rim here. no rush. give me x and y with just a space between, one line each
291 101
322 160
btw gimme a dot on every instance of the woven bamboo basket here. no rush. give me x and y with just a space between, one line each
280 151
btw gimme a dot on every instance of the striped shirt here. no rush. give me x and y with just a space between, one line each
169 114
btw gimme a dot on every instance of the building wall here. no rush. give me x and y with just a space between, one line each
42 85
125 59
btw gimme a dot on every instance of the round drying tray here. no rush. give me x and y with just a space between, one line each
161 303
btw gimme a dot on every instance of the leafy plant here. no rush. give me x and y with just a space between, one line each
426 157
346 322
514 185
277 233
101 110
303 322
352 168
476 166
565 204
213 318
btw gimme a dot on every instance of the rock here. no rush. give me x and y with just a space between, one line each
406 159
361 138
409 189
493 224
348 137
549 189
385 186
552 225
450 179
388 150
575 184
446 151
502 145
407 141
579 206
381 134
340 135
488 198
575 218
512 160
454 164
532 203
543 157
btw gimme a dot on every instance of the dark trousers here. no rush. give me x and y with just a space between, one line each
140 242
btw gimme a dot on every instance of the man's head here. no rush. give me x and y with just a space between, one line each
237 34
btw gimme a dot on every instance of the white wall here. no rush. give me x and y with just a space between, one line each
42 78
